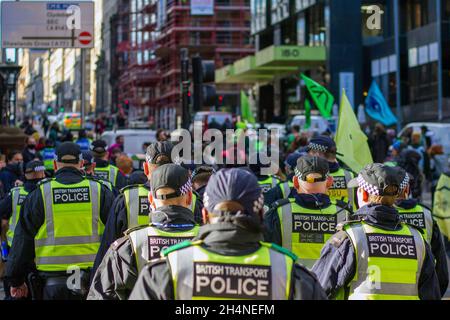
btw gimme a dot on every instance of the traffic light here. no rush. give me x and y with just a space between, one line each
220 101
203 76
62 110
49 109
126 106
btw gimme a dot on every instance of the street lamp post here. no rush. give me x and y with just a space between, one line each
10 73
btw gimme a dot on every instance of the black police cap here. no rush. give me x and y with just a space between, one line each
307 165
170 176
68 152
34 166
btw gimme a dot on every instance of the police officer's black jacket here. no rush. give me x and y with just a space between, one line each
118 223
31 219
272 231
437 247
117 272
6 208
337 264
224 238
121 181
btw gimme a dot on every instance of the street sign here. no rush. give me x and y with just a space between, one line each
45 24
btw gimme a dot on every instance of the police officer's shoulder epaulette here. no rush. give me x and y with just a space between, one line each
339 237
280 249
280 203
130 230
118 243
131 186
44 181
180 246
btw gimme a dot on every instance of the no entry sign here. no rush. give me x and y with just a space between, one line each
85 38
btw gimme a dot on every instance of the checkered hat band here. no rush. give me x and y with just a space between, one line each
405 183
370 189
317 147
187 187
297 173
39 168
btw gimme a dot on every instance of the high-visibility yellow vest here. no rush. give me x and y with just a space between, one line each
137 205
339 190
305 231
109 173
388 263
420 218
148 242
48 156
268 183
70 234
18 195
199 274
441 208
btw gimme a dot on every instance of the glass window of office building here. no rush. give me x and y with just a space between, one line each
279 10
258 11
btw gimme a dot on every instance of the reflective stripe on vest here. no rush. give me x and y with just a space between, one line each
305 231
149 242
70 234
17 196
138 206
388 263
418 217
199 274
111 173
286 188
339 190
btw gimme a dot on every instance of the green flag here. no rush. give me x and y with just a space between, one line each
351 142
322 98
246 113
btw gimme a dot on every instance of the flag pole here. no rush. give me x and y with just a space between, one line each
397 74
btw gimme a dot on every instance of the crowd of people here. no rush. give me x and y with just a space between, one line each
314 230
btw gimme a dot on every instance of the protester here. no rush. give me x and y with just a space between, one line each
379 143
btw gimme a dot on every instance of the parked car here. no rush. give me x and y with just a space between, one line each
318 123
133 139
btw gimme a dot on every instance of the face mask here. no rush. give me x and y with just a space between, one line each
34 181
17 168
31 146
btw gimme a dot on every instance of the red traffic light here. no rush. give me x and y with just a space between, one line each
127 101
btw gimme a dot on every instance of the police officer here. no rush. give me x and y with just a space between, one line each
227 259
11 204
172 222
325 147
89 171
200 177
48 155
414 213
376 255
266 182
131 207
60 226
285 189
103 168
304 223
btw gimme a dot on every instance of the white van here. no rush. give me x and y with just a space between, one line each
133 139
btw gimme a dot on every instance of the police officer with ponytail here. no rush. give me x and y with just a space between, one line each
228 260
376 256
171 222
59 230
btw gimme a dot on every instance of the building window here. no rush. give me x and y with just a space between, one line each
301 34
279 10
223 37
419 13
316 26
423 83
258 11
